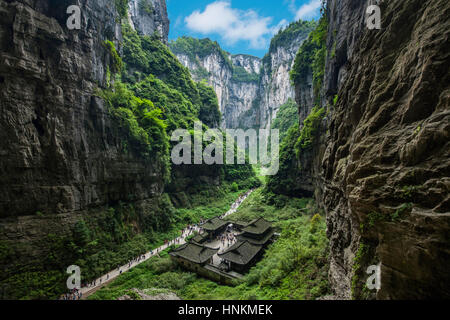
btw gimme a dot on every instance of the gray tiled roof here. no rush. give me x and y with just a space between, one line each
263 240
257 226
194 252
241 252
200 237
214 224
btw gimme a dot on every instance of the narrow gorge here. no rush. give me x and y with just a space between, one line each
250 90
87 122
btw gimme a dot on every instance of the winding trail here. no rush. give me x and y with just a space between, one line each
109 277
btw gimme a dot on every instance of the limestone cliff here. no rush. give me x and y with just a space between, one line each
380 166
148 17
275 86
59 147
234 78
61 151
250 89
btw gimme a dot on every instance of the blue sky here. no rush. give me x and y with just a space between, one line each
240 26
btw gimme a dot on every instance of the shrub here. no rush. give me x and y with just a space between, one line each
121 7
241 75
117 63
310 127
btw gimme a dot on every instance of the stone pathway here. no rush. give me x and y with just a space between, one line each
109 277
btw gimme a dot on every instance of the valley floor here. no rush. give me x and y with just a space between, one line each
293 268
182 239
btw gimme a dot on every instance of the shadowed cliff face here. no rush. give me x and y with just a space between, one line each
386 167
62 155
59 148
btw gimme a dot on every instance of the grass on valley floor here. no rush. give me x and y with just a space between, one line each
293 268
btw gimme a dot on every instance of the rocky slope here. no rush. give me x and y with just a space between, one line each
381 163
250 90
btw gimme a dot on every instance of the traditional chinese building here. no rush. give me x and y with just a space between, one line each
241 256
233 262
193 256
215 227
200 238
250 246
258 231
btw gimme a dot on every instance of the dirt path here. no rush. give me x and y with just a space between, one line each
109 277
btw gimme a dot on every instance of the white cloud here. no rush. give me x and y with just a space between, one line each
233 25
309 10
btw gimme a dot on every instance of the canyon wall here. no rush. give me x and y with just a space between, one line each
217 67
275 86
148 17
59 148
380 166
61 152
250 89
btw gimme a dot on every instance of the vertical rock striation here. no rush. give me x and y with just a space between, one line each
148 17
382 163
275 86
233 78
250 89
61 153
59 146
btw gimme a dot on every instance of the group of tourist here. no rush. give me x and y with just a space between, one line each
227 239
190 229
136 260
174 241
93 283
74 294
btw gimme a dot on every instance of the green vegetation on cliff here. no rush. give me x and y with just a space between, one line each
146 6
141 122
311 57
241 75
308 133
146 55
285 36
121 7
287 117
284 181
200 48
209 113
295 29
196 49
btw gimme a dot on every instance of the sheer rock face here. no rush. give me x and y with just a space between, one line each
383 177
248 104
61 154
276 87
148 17
235 97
